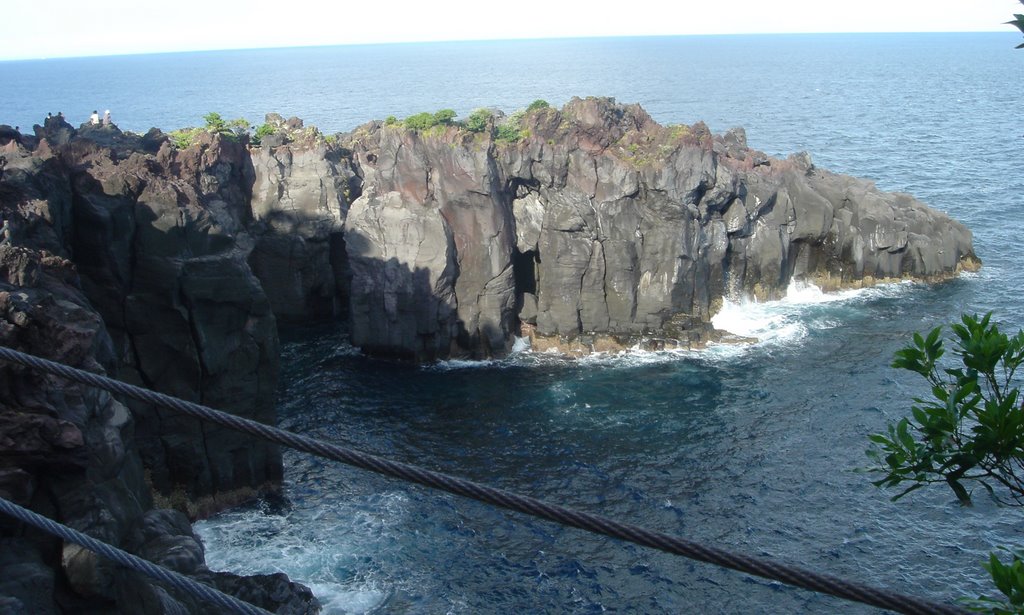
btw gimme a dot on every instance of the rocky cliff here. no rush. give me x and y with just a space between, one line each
129 258
597 225
586 228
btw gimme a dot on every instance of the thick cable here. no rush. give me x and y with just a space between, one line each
146 567
785 573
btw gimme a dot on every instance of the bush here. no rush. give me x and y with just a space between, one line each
970 431
511 130
420 121
265 130
390 120
238 127
184 137
537 104
478 120
444 117
214 122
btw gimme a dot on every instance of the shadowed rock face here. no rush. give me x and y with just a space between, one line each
124 261
595 229
600 222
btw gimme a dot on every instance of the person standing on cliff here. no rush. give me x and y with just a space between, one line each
106 117
94 119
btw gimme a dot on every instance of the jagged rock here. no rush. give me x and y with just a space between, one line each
402 259
620 227
163 251
160 243
595 230
300 200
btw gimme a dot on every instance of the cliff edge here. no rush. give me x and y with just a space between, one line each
169 264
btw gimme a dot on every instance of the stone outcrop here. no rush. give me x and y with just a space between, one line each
300 196
125 262
599 224
590 228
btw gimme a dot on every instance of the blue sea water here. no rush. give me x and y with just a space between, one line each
749 448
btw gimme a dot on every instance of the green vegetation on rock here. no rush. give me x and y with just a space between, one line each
233 130
478 120
510 130
425 121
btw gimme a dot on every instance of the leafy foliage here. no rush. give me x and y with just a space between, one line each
264 130
184 137
1018 22
420 121
444 117
1008 579
537 104
972 429
238 127
511 130
425 121
478 120
215 124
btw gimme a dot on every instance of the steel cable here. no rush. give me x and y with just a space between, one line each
785 573
146 567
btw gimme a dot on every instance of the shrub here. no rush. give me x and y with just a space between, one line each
478 120
390 120
420 121
265 130
239 127
511 130
537 104
214 122
970 431
444 117
184 137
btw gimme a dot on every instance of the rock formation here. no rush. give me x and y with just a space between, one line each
125 262
598 223
587 228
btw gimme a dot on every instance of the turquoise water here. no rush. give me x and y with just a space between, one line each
751 448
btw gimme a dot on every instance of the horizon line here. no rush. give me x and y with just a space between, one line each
491 40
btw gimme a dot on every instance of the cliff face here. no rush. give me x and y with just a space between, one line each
593 228
129 262
300 195
600 223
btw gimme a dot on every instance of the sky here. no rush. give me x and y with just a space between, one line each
60 28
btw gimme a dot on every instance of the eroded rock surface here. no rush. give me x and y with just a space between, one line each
128 260
600 224
587 228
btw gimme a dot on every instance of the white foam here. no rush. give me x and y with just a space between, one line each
522 344
325 559
454 364
782 322
787 320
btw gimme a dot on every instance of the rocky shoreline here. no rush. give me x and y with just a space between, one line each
587 229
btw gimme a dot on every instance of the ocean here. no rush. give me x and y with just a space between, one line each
751 448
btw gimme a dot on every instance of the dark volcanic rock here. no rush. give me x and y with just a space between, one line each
595 229
159 248
300 198
599 223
